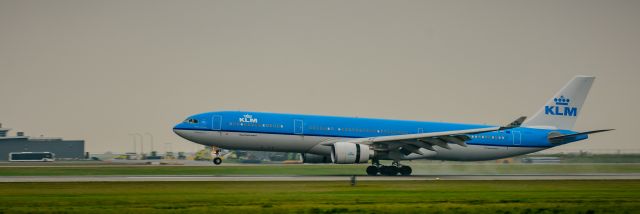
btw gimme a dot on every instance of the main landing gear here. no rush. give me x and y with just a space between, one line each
393 170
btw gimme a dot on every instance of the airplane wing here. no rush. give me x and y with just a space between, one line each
452 136
411 143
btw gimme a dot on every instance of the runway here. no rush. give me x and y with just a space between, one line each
601 176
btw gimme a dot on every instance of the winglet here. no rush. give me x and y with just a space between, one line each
516 123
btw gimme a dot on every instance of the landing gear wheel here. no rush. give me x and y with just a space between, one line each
217 161
405 170
389 170
372 170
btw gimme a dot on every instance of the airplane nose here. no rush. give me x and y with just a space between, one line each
176 128
177 131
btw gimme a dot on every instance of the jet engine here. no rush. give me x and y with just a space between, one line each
348 153
313 158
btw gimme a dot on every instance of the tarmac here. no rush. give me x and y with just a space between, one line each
600 176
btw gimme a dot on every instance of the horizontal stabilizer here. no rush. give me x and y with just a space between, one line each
562 137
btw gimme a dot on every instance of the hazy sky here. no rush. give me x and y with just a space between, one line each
99 70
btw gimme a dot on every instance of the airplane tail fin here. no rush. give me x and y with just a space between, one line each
562 110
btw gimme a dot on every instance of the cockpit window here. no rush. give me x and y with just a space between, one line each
190 120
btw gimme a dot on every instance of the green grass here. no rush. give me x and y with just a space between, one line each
424 169
621 196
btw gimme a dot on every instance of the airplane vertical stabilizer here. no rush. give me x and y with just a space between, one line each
562 110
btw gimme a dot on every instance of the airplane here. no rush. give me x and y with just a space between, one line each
353 140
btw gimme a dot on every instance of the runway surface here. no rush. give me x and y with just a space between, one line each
626 176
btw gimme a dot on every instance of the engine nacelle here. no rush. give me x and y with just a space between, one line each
348 153
313 158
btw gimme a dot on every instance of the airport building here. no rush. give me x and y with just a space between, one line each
62 149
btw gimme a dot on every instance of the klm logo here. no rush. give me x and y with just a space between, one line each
248 119
561 108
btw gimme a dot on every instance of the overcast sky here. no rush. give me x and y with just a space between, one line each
100 70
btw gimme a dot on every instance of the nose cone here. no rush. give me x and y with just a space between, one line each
178 129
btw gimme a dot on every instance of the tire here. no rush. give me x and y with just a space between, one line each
217 161
405 170
389 170
372 170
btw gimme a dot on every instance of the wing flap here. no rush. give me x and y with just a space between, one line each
412 149
455 139
436 142
422 145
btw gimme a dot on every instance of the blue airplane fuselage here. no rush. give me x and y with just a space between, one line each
353 127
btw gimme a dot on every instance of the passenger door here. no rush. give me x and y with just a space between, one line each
517 137
216 122
297 127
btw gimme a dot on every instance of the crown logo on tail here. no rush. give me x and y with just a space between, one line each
561 101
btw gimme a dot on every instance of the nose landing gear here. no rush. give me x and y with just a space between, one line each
393 170
217 160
